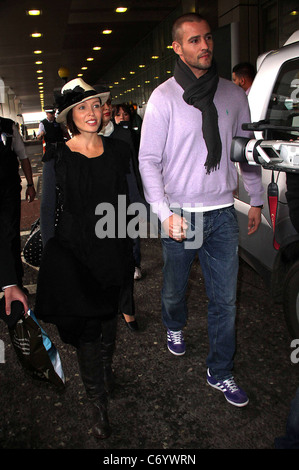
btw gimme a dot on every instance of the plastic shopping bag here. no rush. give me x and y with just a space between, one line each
35 351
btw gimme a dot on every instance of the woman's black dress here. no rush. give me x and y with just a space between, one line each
81 274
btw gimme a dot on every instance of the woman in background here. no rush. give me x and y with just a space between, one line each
122 132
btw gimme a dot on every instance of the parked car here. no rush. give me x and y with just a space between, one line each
273 251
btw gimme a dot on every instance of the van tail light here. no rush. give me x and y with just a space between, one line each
273 206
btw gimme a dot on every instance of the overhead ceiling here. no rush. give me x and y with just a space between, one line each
70 29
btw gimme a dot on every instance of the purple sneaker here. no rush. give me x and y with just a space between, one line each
234 394
175 342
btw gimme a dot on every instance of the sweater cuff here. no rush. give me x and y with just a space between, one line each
162 210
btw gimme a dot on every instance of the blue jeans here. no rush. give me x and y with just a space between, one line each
218 256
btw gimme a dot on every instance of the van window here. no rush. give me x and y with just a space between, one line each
283 107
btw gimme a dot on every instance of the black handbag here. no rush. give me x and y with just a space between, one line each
34 246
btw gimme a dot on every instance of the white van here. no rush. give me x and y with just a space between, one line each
273 251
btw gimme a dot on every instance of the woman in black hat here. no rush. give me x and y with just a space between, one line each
83 269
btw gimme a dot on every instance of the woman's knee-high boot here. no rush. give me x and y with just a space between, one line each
92 374
107 350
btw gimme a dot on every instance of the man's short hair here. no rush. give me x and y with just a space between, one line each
191 17
244 69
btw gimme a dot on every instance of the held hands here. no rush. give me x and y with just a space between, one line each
254 219
175 227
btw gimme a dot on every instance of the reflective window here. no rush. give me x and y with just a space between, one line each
283 108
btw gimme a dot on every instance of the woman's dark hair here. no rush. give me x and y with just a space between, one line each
70 123
117 107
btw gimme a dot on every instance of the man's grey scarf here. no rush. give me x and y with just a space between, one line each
199 92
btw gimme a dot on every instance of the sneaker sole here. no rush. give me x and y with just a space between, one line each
175 353
239 405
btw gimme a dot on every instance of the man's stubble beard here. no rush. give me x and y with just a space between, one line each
200 66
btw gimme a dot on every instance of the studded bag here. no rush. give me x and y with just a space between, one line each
34 246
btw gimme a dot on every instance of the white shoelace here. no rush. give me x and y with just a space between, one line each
230 385
176 336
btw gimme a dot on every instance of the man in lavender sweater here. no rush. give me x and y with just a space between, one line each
189 180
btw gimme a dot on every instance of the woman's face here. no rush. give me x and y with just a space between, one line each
87 115
121 115
106 112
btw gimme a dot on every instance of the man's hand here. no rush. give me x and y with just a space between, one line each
175 227
254 219
14 293
30 194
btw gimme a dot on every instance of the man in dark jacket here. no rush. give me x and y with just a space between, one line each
12 150
50 130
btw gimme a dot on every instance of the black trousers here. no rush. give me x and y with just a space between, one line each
10 239
126 298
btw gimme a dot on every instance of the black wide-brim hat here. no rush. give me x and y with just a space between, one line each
75 92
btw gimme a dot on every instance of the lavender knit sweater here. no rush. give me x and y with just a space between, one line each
173 152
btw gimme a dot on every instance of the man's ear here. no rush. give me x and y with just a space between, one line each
177 47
